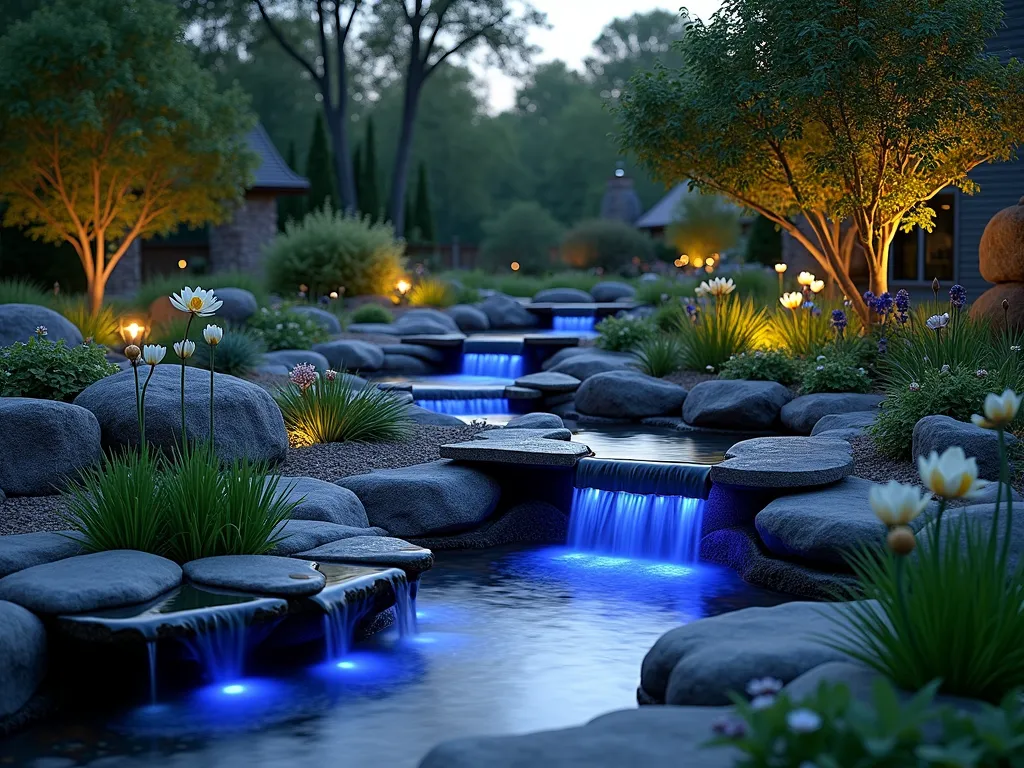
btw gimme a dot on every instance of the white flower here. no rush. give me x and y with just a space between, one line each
709 368
803 721
981 373
943 369
951 475
895 503
819 358
184 349
817 286
330 374
791 300
762 702
915 387
805 278
718 287
701 290
999 410
41 330
861 371
935 322
758 354
1015 348
820 368
760 686
199 302
213 334
153 353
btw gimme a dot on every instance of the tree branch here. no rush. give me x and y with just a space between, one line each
288 47
462 44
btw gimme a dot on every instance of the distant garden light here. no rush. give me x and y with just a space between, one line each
515 266
403 287
182 263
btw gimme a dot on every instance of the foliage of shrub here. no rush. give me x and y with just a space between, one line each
328 250
334 411
431 292
285 329
42 369
525 232
662 291
371 313
659 355
18 291
102 328
834 374
719 330
162 286
613 246
623 334
763 365
237 354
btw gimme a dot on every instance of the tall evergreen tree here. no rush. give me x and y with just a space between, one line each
423 216
290 207
369 195
319 170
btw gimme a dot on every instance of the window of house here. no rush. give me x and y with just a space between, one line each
919 256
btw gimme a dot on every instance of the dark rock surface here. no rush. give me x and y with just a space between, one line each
256 575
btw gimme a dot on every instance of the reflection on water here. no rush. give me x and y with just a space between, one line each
511 640
647 443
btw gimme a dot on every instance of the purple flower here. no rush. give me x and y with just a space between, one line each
838 319
303 376
869 298
760 686
958 296
902 317
903 300
883 304
691 310
815 312
883 345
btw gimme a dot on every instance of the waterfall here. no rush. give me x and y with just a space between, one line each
405 605
472 406
499 365
151 652
220 644
573 323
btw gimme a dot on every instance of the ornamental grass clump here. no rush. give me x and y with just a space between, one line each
330 409
949 599
659 355
717 327
431 292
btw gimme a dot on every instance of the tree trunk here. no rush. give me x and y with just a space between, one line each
403 152
96 287
337 124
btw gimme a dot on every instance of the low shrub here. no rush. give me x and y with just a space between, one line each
328 250
716 330
42 369
371 313
239 353
329 409
431 292
763 365
833 374
613 246
663 291
623 334
660 355
525 233
285 329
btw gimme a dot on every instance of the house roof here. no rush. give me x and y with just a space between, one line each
273 174
666 210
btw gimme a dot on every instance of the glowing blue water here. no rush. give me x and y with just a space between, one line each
502 366
221 646
577 323
473 406
647 526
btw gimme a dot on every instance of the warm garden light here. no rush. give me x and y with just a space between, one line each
132 331
698 262
333 294
515 266
403 286
182 263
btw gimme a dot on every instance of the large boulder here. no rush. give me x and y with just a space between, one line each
425 322
22 657
937 433
592 362
562 296
610 290
289 358
425 499
267 575
87 583
981 517
18 322
247 420
322 501
628 395
536 421
326 320
294 536
46 443
801 414
469 318
989 306
351 355
504 312
1001 250
239 305
736 404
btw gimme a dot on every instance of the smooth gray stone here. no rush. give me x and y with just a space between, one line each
592 362
267 369
25 550
257 575
322 501
565 353
858 421
380 329
351 355
536 420
239 305
419 351
521 393
423 416
520 434
46 444
987 495
22 657
426 321
736 404
937 433
611 291
801 414
374 550
91 582
532 522
504 312
300 535
981 518
628 394
425 498
822 526
18 322
326 320
247 421
469 318
785 462
548 381
701 662
651 737
562 296
289 358
406 365
527 450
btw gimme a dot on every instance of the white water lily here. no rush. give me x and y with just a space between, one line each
791 300
937 322
999 410
184 349
701 291
951 475
897 504
152 354
803 721
805 278
198 302
817 286
719 286
213 334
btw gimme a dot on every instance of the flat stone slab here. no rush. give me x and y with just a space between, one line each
25 550
549 381
374 550
785 462
801 414
528 450
418 351
556 433
300 535
522 393
257 575
91 582
22 657
322 501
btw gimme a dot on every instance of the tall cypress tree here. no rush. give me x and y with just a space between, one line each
319 169
357 171
423 215
290 207
369 195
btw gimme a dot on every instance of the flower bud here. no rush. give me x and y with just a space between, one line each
901 540
132 352
1006 305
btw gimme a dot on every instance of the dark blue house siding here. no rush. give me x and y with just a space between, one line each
1002 184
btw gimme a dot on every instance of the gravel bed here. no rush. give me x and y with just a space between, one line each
689 379
28 514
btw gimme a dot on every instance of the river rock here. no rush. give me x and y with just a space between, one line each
294 536
504 312
374 550
989 306
801 414
981 516
628 394
785 462
25 550
257 575
326 320
937 433
321 501
592 362
289 358
736 404
18 322
610 291
419 351
536 421
845 425
351 355
469 318
239 305
247 420
562 296
549 382
418 415
46 444
22 657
